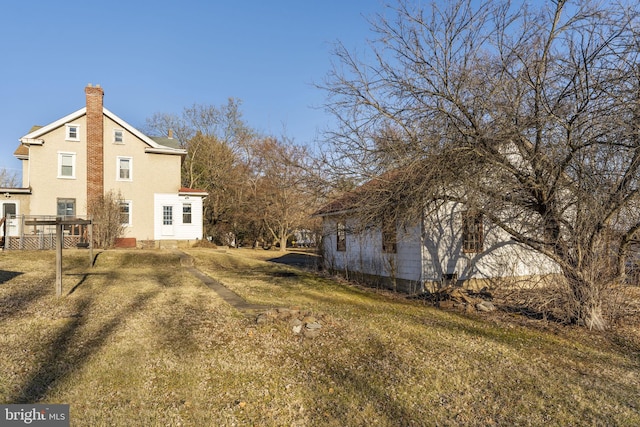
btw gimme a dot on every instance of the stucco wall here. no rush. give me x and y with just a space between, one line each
46 186
151 173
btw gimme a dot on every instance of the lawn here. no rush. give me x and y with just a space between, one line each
138 340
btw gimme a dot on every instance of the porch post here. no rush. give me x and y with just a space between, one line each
91 241
59 259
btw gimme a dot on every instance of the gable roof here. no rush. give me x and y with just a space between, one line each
22 152
34 137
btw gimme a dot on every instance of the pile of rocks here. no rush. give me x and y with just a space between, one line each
301 322
455 297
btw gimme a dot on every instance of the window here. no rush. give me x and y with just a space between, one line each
118 136
341 237
67 165
125 212
186 213
124 168
167 215
389 240
73 133
8 209
66 207
472 232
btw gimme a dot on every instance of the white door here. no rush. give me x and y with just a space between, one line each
167 220
9 208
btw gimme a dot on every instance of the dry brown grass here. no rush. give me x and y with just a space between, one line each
139 341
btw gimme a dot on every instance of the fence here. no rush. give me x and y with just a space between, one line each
33 232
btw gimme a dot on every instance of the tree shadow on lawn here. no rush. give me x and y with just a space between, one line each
5 276
13 303
297 259
69 350
359 384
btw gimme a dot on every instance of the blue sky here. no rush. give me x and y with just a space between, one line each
161 56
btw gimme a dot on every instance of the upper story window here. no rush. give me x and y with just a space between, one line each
73 133
124 172
118 136
186 213
66 165
472 232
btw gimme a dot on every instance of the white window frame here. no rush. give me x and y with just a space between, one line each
129 206
190 213
115 136
68 128
61 155
118 160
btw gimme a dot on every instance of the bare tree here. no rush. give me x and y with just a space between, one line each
107 219
218 144
528 115
8 179
280 196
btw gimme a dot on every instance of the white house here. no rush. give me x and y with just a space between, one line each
449 245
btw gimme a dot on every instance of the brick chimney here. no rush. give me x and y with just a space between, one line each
95 143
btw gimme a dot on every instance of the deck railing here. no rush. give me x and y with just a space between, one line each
23 232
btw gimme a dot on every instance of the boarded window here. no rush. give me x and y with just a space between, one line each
472 232
341 237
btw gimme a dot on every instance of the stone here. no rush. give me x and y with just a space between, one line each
297 329
262 318
485 306
313 325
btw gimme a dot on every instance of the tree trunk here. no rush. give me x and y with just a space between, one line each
587 300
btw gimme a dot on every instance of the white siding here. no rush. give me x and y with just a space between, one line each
501 256
364 252
428 253
179 230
